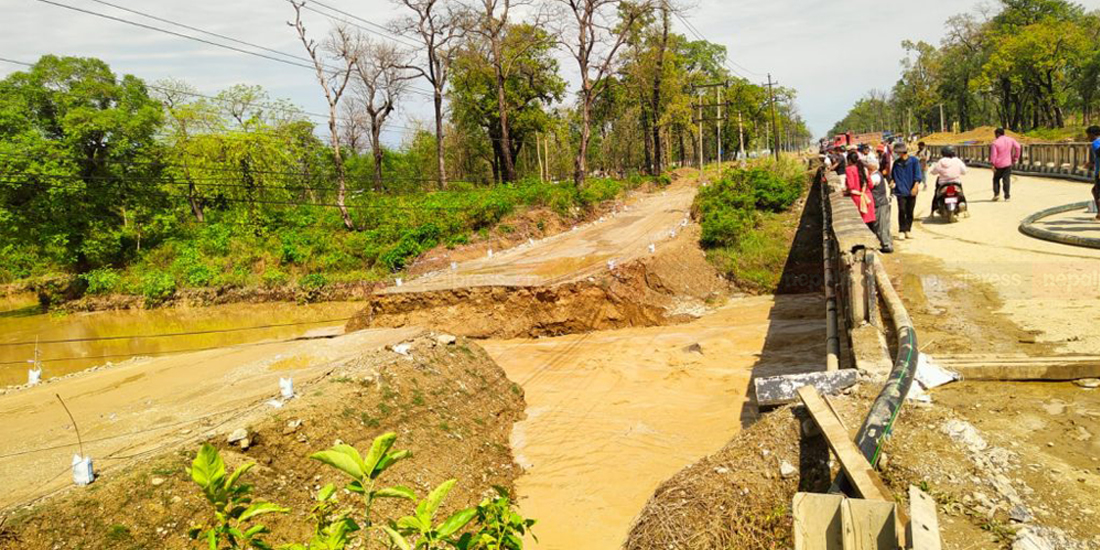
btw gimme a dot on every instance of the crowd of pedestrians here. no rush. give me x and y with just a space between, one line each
890 172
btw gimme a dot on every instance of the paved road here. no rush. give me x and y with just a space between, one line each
1044 286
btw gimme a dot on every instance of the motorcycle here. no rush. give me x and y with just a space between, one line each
950 201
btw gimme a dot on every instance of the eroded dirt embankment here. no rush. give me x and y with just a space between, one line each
451 405
674 284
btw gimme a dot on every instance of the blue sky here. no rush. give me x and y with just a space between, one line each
831 52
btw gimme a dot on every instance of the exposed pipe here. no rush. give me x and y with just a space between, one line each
1030 230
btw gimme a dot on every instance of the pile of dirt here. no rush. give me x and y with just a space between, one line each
450 404
981 134
740 496
676 284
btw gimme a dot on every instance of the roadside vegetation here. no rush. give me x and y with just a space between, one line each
1031 66
235 518
747 220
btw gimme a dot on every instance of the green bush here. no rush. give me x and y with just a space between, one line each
599 190
157 287
102 281
313 281
274 277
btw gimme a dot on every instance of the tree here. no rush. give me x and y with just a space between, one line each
594 43
438 25
76 144
380 85
343 48
532 82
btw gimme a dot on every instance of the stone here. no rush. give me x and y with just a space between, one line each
292 426
694 348
1089 383
1020 514
237 435
446 339
245 444
786 469
1031 541
1054 408
157 481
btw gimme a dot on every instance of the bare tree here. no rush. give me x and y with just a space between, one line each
598 29
437 24
341 47
381 83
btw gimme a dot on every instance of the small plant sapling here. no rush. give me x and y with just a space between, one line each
425 535
365 471
500 526
331 526
234 509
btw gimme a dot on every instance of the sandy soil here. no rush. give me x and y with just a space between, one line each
572 255
608 413
1049 289
148 405
450 405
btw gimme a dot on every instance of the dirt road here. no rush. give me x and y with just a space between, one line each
574 254
1049 289
146 406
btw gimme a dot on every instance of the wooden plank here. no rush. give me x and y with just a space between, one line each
780 390
869 525
817 521
859 471
1009 372
924 528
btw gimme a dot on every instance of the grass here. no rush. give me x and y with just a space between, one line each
747 221
307 248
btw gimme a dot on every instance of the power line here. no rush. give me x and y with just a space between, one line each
382 31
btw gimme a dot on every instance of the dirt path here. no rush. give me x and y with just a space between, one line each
574 254
613 414
981 286
1050 289
145 406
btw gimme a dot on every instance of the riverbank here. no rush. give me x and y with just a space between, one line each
310 258
450 404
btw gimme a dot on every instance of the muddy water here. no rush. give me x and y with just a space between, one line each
21 320
613 414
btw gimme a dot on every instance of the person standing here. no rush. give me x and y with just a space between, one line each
924 154
908 175
1094 165
1003 153
881 194
858 183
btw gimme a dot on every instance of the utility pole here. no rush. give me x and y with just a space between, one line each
943 125
700 141
740 139
719 125
908 124
775 125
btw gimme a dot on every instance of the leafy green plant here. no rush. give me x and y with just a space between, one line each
364 471
331 525
421 527
102 281
234 510
500 526
157 287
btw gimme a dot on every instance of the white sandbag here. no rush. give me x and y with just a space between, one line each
34 376
83 474
286 387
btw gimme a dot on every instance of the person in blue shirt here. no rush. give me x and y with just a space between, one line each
1094 165
907 176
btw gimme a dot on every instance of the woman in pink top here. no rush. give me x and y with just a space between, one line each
949 169
859 187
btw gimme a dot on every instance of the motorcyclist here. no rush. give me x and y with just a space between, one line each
949 169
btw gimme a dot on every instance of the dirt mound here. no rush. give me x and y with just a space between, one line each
673 285
451 405
738 497
981 134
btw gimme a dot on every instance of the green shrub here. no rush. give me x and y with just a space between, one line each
157 287
274 277
313 281
102 281
599 190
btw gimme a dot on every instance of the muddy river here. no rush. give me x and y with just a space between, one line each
75 341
